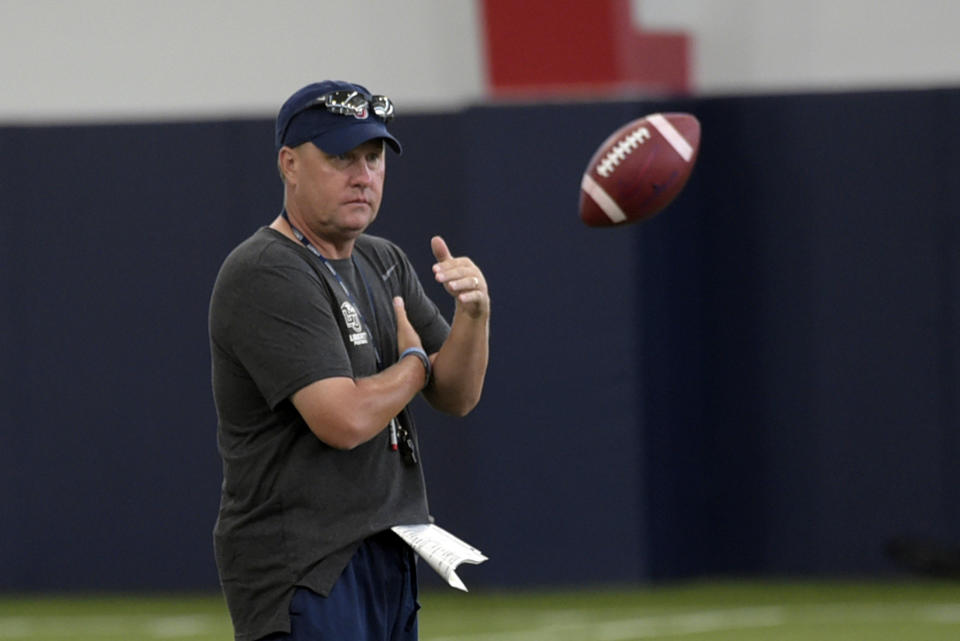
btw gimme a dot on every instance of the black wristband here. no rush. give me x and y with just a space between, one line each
422 355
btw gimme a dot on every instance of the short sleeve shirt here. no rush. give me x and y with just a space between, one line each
292 508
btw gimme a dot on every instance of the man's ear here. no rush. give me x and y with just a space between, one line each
287 164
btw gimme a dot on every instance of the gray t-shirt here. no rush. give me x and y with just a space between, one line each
292 509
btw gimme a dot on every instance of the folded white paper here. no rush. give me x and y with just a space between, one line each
441 550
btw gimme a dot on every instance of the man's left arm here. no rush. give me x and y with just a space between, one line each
460 365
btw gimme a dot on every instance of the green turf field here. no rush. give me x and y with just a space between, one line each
909 611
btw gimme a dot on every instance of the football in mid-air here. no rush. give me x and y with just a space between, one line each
639 169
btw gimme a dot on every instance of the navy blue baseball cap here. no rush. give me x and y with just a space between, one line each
336 116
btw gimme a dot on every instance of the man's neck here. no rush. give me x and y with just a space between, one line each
327 248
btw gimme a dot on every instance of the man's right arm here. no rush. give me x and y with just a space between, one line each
344 412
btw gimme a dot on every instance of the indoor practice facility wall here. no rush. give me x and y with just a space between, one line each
762 379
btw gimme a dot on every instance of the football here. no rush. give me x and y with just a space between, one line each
639 169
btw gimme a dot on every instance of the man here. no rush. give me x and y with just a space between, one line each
320 337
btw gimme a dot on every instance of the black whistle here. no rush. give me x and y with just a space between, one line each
409 450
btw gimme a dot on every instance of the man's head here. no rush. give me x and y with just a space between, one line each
334 115
331 139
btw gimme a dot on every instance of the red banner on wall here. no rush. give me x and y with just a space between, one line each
579 46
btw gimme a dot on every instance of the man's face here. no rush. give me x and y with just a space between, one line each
338 196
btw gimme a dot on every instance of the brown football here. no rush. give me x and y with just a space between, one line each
639 169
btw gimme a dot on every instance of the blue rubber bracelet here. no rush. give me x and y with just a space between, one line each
422 355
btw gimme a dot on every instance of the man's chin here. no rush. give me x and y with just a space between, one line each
359 218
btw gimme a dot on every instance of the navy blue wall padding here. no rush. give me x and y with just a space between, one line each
764 379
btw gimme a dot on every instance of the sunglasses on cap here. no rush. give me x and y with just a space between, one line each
353 103
346 102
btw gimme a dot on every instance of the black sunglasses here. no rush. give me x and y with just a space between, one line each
353 103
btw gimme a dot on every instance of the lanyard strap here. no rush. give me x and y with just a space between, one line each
353 301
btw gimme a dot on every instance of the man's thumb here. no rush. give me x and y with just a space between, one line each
440 250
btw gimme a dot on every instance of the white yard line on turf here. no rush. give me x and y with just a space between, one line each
700 622
590 629
146 627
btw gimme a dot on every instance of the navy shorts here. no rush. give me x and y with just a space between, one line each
375 599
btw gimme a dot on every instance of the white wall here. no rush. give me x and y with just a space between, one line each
109 59
146 59
786 45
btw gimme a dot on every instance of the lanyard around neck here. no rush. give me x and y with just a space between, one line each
346 290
